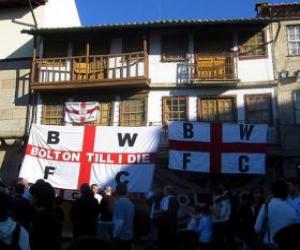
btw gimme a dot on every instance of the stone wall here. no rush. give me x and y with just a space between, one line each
14 97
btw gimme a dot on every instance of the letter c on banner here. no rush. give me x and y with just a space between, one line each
119 175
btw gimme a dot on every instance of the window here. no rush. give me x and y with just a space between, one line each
174 47
55 48
53 113
105 117
252 45
216 109
133 111
297 107
132 44
294 40
174 109
258 108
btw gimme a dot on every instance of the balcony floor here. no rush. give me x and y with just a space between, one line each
84 84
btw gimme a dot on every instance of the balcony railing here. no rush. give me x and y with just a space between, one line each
105 69
208 67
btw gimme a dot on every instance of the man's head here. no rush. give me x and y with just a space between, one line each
293 186
108 190
24 182
19 189
169 190
85 189
4 205
95 188
43 195
279 189
121 189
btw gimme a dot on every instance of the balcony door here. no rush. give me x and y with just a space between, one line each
213 58
91 60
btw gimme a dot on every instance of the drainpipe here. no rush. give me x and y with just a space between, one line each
33 15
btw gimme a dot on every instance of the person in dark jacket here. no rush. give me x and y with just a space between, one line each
84 213
248 212
105 226
46 228
167 228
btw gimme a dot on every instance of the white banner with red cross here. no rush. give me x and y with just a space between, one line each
217 148
67 156
80 112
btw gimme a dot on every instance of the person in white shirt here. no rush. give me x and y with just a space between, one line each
95 190
277 215
294 195
204 228
221 212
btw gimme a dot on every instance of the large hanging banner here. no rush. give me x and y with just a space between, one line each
68 156
217 148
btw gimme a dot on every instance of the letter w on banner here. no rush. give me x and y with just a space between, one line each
69 156
217 148
79 112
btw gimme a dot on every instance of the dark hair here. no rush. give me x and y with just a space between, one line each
44 194
89 243
121 189
94 185
4 207
19 188
279 189
85 189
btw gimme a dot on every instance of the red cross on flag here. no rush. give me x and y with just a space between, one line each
217 148
79 112
67 156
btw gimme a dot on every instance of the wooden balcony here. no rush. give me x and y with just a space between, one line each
209 68
93 71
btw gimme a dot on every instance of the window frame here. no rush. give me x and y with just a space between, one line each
288 41
241 46
233 101
270 122
163 57
165 98
46 104
135 97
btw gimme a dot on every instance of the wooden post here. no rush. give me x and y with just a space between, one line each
146 61
33 65
87 60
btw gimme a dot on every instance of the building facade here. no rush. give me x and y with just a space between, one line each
15 67
151 73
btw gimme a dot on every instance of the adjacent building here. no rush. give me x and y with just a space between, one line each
285 36
16 49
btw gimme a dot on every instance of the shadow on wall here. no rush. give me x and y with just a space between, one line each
11 163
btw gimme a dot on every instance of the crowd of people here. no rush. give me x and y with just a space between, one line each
32 217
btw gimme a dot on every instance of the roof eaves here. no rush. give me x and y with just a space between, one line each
147 24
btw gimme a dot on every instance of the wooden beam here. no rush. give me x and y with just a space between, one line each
108 83
146 60
33 65
87 60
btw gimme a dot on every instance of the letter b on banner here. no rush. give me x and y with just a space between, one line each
53 137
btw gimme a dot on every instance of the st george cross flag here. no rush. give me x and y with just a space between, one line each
79 112
67 156
217 148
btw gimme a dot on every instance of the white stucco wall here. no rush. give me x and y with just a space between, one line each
54 13
155 101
